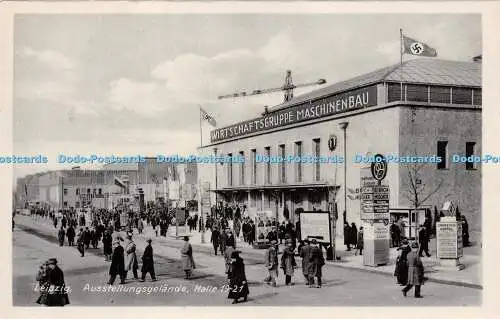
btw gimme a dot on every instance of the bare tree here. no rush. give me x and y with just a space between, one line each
415 190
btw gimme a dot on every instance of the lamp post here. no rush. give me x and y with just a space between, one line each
343 126
216 197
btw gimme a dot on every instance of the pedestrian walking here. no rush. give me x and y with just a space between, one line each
238 285
107 243
288 263
214 239
70 233
353 235
187 258
79 242
117 267
227 257
360 244
147 262
131 257
347 231
423 240
272 263
395 234
415 272
140 225
61 235
86 238
316 262
401 271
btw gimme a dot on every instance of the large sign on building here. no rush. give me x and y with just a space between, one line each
339 103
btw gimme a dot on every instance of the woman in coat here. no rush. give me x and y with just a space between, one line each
347 231
353 235
57 295
43 284
288 263
238 285
107 242
360 244
148 262
401 271
187 258
415 272
131 257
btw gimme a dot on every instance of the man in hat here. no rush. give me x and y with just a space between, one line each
147 262
117 264
415 271
316 261
214 239
187 258
238 285
131 257
305 254
272 263
423 239
57 294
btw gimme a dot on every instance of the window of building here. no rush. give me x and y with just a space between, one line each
242 169
65 204
77 204
77 191
393 92
282 163
65 191
100 191
477 96
442 152
88 190
470 148
461 96
268 165
440 94
317 154
298 164
94 191
417 93
230 170
254 166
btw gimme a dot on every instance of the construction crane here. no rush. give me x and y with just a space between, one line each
287 87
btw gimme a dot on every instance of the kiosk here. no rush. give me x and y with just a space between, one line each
449 239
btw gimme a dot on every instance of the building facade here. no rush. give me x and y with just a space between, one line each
425 109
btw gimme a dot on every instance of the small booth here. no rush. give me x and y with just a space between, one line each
262 228
411 219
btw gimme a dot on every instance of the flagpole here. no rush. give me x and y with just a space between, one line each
401 52
201 130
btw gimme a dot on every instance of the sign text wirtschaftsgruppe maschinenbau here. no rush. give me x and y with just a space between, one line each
343 102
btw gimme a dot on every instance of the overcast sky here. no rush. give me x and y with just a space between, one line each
131 84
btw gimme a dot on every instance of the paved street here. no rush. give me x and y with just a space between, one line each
342 287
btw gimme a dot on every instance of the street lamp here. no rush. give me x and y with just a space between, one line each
216 193
343 126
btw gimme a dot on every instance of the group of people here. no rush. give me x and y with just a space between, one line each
53 290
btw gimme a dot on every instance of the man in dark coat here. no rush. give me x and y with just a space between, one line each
64 221
316 261
238 285
230 240
80 242
60 235
117 264
415 272
57 294
347 231
401 271
465 232
86 238
107 242
251 237
70 233
423 240
272 263
353 235
272 235
395 234
214 239
147 262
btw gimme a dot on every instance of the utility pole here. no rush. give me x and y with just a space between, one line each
343 126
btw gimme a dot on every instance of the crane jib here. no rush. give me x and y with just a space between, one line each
339 103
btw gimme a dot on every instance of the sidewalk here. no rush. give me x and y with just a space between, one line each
469 277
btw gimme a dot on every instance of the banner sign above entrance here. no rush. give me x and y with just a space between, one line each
340 103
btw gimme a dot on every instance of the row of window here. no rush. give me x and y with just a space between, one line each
282 176
442 152
95 191
433 94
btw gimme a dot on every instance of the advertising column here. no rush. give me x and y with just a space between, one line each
449 243
375 213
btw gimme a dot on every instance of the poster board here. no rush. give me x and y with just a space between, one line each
261 230
315 225
449 240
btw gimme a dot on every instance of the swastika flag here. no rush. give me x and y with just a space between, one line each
415 47
207 117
